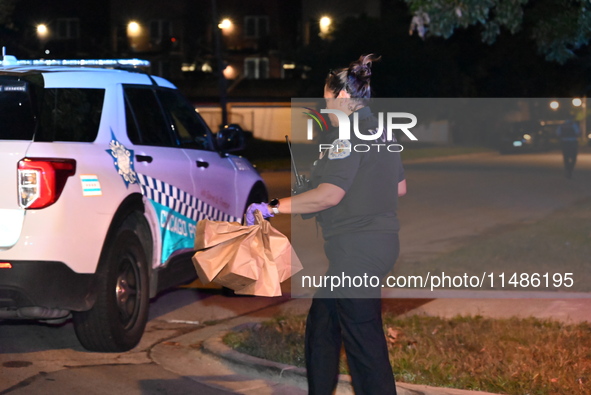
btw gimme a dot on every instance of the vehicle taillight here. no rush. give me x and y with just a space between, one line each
42 180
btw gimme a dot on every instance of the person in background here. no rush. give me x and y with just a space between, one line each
569 133
355 198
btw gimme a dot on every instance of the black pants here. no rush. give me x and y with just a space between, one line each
569 154
353 317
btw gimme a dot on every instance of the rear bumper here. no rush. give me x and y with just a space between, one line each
45 284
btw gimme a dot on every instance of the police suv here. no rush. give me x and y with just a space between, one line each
104 173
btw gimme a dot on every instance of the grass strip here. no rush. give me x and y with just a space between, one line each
509 356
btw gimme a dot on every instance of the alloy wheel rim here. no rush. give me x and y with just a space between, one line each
128 291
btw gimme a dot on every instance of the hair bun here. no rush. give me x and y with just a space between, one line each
361 68
354 79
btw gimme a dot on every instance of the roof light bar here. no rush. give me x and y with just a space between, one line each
85 62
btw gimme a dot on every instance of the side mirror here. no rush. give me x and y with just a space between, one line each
230 138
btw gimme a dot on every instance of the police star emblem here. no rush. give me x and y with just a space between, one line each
123 159
340 149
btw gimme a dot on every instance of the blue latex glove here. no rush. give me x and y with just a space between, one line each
262 207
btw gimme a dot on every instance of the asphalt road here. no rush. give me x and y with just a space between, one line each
449 201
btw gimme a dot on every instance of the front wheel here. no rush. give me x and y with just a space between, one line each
117 320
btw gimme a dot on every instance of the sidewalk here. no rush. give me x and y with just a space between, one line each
202 356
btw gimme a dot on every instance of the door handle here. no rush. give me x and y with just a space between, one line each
203 164
144 158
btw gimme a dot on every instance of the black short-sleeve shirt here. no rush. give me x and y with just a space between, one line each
369 172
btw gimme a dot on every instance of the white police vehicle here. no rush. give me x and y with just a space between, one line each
104 175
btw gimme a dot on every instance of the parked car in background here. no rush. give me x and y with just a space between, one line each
105 173
527 136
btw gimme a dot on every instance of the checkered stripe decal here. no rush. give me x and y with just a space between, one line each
180 201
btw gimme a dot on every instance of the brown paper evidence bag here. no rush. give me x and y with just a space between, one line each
251 260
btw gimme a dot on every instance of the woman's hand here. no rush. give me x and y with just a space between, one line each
262 207
402 188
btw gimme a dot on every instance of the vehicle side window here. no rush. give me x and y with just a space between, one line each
191 130
131 124
146 124
70 114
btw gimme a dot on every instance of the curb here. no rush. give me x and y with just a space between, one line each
275 371
297 376
217 347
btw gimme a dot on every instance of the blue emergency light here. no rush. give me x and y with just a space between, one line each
9 60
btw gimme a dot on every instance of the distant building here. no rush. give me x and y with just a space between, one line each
259 37
57 29
319 17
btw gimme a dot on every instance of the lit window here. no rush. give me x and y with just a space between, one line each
256 68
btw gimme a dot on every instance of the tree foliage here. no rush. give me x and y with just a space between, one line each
460 66
558 27
6 9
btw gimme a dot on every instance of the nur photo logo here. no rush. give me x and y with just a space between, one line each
320 121
381 136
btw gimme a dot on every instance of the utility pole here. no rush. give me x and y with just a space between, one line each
220 63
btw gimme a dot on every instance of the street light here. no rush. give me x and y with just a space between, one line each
42 31
222 83
577 102
554 105
225 24
230 72
133 29
325 23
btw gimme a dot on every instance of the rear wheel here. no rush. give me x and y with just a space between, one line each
117 320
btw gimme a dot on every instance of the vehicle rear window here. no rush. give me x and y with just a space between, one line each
70 114
17 121
28 111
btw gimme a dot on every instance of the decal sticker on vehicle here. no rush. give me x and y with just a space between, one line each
90 185
123 159
241 163
178 213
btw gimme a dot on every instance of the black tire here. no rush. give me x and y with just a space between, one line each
117 320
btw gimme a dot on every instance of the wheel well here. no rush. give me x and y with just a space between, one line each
258 194
131 209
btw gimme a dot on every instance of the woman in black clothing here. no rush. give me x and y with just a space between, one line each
354 196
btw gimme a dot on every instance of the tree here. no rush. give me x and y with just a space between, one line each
6 9
558 27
